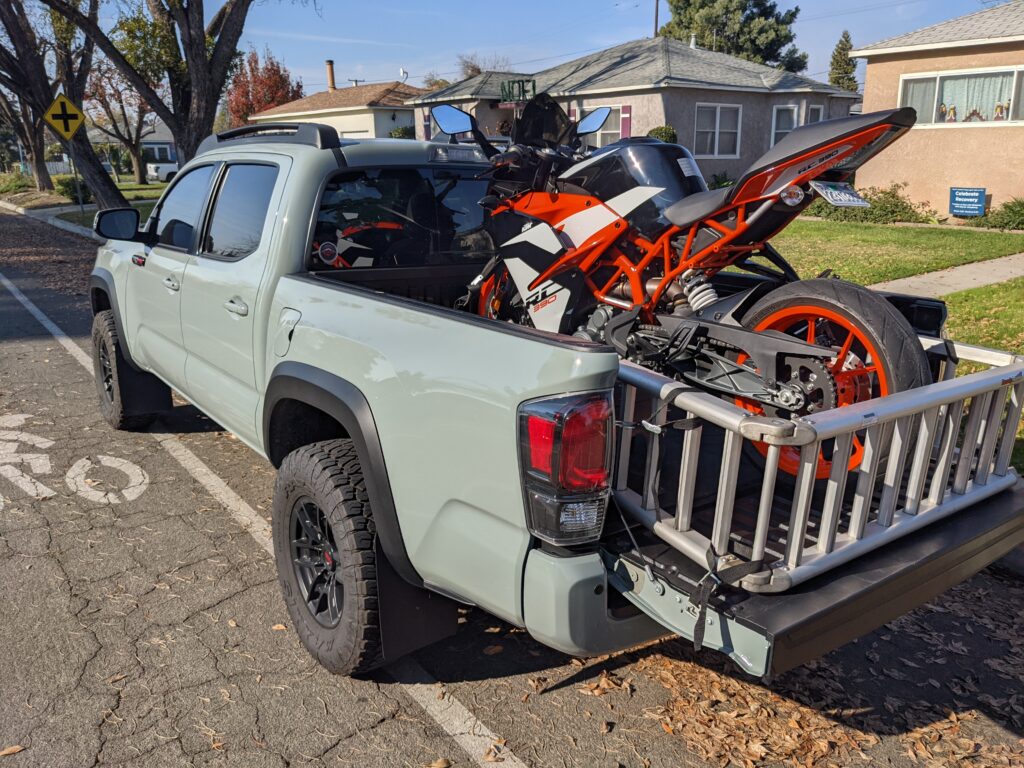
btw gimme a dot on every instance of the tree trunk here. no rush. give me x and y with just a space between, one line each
94 175
138 166
36 151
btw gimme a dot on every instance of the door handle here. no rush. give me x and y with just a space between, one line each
236 306
171 283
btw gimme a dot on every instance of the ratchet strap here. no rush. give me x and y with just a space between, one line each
709 585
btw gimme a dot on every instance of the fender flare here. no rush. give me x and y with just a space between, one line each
102 280
347 405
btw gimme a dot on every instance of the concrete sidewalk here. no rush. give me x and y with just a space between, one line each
954 279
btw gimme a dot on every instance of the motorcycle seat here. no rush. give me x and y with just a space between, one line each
697 206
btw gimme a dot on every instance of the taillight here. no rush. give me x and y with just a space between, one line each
565 444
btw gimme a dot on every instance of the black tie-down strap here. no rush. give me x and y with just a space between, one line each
709 585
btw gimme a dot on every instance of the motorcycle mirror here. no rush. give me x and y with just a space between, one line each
592 122
452 120
488 202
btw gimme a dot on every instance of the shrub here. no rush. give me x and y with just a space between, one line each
719 180
888 206
1010 215
403 132
15 182
65 185
665 133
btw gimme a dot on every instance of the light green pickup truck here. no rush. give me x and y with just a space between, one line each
302 291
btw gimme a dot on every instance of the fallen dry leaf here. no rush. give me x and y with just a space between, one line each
279 627
606 727
7 751
232 623
441 762
491 650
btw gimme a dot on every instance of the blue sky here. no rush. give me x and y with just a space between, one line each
372 40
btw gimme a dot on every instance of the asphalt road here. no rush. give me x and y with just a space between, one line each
140 624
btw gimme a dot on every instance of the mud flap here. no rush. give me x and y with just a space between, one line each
410 617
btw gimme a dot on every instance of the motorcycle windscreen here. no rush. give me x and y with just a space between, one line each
667 170
542 124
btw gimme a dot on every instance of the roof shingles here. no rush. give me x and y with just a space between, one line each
393 94
990 25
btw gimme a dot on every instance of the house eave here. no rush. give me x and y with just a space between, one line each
329 111
864 53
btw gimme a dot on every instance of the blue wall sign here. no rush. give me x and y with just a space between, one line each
967 201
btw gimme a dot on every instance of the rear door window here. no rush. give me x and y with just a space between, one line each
240 211
401 217
182 208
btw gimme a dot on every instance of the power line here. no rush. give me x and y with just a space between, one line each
874 7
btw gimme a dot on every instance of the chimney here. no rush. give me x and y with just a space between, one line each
693 41
330 74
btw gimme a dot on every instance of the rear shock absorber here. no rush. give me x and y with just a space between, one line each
698 289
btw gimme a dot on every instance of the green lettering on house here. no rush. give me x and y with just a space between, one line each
518 90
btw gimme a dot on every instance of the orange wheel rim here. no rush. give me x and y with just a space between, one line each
856 368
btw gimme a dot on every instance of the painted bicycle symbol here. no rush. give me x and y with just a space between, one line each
22 467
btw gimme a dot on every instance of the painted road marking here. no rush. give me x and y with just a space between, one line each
78 481
449 713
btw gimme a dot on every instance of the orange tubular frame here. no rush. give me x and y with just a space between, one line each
601 249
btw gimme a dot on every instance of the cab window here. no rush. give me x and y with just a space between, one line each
181 208
240 211
401 217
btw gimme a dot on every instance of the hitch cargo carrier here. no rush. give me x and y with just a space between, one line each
704 476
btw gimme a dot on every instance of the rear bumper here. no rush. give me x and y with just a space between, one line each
767 634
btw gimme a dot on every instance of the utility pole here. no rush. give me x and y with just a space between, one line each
657 3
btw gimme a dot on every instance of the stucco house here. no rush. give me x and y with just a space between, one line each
964 77
728 111
360 111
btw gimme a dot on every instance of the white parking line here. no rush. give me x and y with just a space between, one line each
448 712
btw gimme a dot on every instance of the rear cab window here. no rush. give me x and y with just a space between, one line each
401 217
239 210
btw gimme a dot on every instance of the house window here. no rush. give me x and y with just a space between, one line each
717 131
783 121
815 113
611 131
970 96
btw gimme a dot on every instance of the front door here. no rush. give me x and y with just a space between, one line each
220 294
153 306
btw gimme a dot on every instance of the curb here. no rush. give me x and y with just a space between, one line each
40 214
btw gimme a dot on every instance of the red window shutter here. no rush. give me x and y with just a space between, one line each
426 124
626 123
572 114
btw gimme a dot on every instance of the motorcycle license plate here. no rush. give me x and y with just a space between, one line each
840 194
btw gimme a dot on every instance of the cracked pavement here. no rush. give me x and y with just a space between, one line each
142 632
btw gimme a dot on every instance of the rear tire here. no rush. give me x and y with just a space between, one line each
333 546
879 332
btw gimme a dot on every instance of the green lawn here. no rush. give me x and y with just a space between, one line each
992 316
873 253
85 219
150 191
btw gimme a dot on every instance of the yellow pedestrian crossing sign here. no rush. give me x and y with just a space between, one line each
64 117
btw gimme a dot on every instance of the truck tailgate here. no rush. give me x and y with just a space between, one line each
767 634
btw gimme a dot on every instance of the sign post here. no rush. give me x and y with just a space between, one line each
967 201
65 118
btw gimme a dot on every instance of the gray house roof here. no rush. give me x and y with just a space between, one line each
658 62
999 24
486 85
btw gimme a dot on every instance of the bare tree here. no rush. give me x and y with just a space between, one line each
33 67
29 130
119 113
194 58
472 64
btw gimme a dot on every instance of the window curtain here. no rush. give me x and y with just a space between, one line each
968 98
920 94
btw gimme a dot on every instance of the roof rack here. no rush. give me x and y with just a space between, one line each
314 134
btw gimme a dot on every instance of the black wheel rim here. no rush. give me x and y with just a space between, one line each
106 374
315 560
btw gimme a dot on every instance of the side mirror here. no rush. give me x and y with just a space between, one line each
452 120
118 224
489 202
592 122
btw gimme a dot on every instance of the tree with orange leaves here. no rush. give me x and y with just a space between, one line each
260 85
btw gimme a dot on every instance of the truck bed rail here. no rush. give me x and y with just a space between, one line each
704 474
